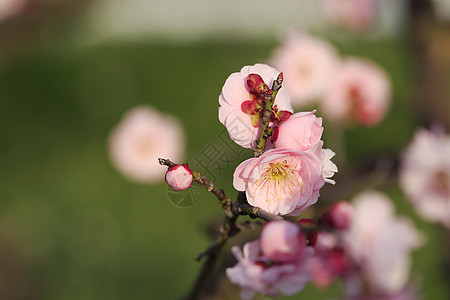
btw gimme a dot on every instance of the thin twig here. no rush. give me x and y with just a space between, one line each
267 116
206 183
249 225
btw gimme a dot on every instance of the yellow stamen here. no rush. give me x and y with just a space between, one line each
279 180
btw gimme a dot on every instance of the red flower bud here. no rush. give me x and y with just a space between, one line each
179 177
249 107
256 84
339 216
283 115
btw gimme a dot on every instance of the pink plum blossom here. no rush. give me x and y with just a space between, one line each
179 177
282 241
239 107
425 175
142 136
358 92
307 63
281 181
300 131
303 131
255 273
355 15
379 243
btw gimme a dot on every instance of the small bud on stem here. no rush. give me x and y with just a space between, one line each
179 177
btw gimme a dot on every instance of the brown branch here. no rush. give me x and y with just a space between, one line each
206 183
249 225
228 229
166 162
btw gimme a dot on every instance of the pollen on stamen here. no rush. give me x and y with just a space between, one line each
278 182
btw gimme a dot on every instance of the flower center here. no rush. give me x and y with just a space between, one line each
304 70
277 171
144 147
278 182
440 183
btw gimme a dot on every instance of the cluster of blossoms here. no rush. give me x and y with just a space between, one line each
274 264
363 243
349 90
287 177
349 242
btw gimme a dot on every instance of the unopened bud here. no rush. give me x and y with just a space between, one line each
179 177
249 107
339 216
256 84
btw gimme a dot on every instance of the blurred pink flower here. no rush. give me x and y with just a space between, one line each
379 244
354 284
9 8
142 136
329 260
355 15
339 216
281 181
425 175
307 64
303 131
359 91
282 241
179 177
237 111
255 273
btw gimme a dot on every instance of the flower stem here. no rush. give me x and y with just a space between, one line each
267 116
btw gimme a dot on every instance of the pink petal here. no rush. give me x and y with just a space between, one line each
234 91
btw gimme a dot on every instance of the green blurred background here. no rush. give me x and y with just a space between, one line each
71 227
